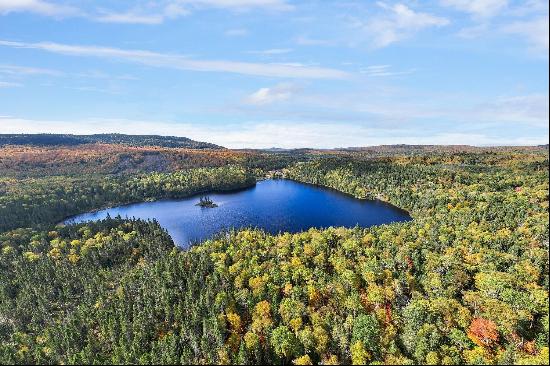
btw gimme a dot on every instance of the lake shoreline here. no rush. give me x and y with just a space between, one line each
273 205
388 203
63 222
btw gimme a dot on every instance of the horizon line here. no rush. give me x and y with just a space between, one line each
276 147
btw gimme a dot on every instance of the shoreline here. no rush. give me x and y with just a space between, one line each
122 204
66 220
187 246
388 203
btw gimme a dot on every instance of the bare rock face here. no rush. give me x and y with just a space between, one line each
149 162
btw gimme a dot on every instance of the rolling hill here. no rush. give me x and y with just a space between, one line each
111 138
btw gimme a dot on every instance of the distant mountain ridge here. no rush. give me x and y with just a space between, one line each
404 148
110 138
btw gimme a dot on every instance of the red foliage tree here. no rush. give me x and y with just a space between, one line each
483 332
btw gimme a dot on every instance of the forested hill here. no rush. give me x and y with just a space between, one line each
111 138
404 149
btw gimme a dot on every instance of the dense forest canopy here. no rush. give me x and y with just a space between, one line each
109 159
108 138
465 282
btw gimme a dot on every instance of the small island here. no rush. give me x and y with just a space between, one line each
206 202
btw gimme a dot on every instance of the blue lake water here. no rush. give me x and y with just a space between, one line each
273 205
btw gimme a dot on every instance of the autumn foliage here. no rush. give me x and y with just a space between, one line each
483 332
464 282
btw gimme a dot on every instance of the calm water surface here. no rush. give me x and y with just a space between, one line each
273 205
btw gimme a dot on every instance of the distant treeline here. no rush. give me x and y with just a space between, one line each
111 138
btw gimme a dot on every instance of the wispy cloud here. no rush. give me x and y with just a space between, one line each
92 89
149 13
25 70
130 18
473 31
236 32
18 71
184 63
534 31
143 12
277 93
96 74
394 109
395 23
477 8
308 41
271 52
274 5
37 7
8 84
522 109
157 12
382 70
528 7
524 19
286 134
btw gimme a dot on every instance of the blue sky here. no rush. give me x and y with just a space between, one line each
263 73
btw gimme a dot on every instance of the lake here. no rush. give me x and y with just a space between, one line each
273 205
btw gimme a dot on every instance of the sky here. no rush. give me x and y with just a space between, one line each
279 73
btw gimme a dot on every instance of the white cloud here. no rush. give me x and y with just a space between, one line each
512 120
382 70
524 109
149 14
156 13
17 72
277 5
173 10
397 23
307 41
511 114
285 134
474 31
130 18
534 31
25 70
36 6
272 51
185 63
526 19
237 32
278 93
109 90
528 7
145 12
8 84
477 8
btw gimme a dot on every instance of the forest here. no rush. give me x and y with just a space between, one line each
108 138
465 282
21 161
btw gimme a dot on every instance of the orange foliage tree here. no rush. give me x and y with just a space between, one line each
483 332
